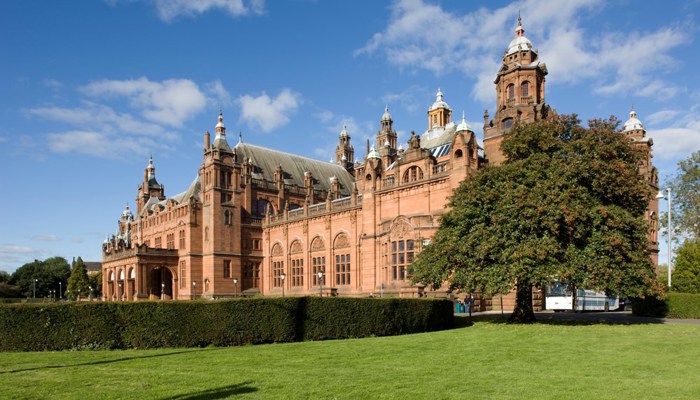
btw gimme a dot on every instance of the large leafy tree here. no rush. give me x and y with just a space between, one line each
78 283
47 273
685 186
568 203
96 284
686 274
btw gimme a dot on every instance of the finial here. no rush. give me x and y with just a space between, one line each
240 137
520 20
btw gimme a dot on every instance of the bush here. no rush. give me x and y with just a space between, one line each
674 305
36 327
683 305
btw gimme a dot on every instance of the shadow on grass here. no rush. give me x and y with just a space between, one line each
217 393
570 319
99 362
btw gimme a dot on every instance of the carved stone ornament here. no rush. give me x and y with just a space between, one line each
401 229
295 247
277 250
342 241
317 244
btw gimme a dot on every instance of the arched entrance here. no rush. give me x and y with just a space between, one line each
160 284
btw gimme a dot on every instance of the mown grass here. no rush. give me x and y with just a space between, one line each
486 360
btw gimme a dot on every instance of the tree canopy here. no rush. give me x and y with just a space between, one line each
47 273
685 187
686 273
567 204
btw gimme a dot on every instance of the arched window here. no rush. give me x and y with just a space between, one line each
508 123
458 153
341 265
525 89
261 206
510 91
413 174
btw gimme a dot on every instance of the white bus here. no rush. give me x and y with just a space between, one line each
559 297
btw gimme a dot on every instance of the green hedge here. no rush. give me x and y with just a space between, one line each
674 305
61 326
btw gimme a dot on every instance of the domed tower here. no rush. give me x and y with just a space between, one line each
519 93
439 113
149 188
386 138
344 152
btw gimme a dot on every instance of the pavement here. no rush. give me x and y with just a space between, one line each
612 317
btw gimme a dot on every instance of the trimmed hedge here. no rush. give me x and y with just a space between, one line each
674 305
61 326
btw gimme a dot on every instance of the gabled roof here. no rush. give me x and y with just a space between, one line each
267 160
184 197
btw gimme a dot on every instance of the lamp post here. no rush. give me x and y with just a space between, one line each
669 228
119 295
34 283
283 276
162 291
235 287
60 291
90 292
194 286
320 283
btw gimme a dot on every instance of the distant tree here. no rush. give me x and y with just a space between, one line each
9 291
568 203
78 283
5 276
686 274
47 273
685 192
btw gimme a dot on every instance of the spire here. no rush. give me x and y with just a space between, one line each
519 31
151 169
463 126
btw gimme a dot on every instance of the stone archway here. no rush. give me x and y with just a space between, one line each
160 284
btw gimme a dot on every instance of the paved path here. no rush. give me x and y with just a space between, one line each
617 317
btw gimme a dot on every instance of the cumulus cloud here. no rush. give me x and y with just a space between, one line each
168 10
266 113
426 36
100 145
679 138
169 102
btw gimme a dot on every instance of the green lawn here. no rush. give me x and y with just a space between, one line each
487 360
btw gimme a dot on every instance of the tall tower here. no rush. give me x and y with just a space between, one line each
344 152
634 130
386 138
149 188
519 93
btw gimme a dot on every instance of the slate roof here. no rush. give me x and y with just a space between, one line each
267 160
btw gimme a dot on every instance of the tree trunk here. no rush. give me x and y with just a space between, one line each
523 312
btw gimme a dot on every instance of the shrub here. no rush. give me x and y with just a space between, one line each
683 305
36 327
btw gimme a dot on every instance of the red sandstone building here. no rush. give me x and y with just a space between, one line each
262 221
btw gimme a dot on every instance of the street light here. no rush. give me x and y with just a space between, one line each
90 292
320 283
35 281
162 291
283 277
669 228
60 291
235 287
120 297
194 286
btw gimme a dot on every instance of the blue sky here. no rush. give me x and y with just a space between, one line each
89 89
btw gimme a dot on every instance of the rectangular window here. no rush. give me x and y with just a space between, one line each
158 243
170 240
318 265
402 254
182 239
277 269
227 268
298 272
342 269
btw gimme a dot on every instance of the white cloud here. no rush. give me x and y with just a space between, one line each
675 143
169 102
11 249
662 116
100 145
218 94
171 9
46 238
425 36
266 113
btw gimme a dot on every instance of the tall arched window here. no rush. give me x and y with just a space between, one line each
510 91
525 89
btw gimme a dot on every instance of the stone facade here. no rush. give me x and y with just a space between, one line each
261 221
